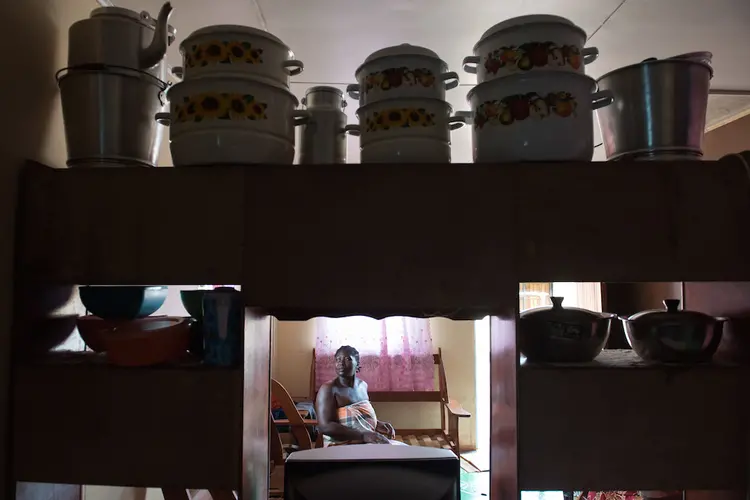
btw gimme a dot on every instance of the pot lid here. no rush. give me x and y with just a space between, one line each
516 22
699 58
556 312
671 311
405 49
142 17
324 88
225 29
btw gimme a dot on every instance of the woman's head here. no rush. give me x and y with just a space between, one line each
347 361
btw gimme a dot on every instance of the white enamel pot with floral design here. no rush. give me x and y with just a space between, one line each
220 113
237 50
402 71
529 44
406 150
535 117
397 118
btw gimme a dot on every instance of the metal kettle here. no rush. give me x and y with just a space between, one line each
115 36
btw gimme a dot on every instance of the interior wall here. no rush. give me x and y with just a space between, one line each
731 138
294 342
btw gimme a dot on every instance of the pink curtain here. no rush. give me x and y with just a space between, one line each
395 353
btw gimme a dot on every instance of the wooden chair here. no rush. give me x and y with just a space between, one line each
450 410
298 426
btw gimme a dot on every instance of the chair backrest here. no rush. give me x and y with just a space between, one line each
277 447
296 422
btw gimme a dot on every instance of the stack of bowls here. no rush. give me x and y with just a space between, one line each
233 105
403 115
533 101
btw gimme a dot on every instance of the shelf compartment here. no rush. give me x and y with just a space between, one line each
381 240
618 423
78 420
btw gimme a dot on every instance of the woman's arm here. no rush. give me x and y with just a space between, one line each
328 417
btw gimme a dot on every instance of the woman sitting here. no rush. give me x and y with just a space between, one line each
345 414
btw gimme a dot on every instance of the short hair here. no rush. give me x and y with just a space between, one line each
349 351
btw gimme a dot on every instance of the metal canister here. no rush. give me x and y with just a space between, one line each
223 327
323 138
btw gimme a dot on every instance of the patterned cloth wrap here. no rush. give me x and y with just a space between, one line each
360 416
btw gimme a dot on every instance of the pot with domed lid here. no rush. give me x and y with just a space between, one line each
672 335
402 71
557 334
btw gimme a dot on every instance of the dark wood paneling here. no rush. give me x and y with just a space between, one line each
84 422
387 239
677 428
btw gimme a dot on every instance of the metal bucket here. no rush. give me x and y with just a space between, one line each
660 105
109 115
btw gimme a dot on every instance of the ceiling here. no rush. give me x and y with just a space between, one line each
332 37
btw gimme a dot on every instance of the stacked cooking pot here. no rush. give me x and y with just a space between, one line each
403 115
233 105
661 108
533 101
323 137
113 85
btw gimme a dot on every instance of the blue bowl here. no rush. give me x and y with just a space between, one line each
122 302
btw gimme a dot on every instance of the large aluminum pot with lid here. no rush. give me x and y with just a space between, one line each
660 105
239 51
323 136
558 334
528 44
402 71
120 37
672 335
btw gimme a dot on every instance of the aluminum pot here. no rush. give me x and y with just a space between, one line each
556 334
109 115
661 105
529 44
324 97
397 118
671 335
237 50
535 117
323 137
232 102
402 71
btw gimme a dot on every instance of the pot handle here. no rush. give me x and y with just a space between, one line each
353 90
470 64
468 116
163 119
295 65
456 121
449 79
178 72
601 99
352 130
301 117
590 54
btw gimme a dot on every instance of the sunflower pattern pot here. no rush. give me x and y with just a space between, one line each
535 116
520 107
218 106
221 52
237 50
397 118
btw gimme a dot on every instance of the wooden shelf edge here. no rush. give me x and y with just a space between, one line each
87 423
386 239
632 427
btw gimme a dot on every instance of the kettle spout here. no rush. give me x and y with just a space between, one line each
153 54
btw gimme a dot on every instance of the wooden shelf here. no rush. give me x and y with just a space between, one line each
619 423
78 420
386 239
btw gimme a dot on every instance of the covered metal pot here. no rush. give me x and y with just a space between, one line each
672 335
563 335
660 104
